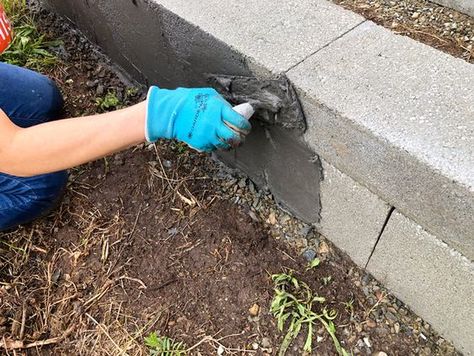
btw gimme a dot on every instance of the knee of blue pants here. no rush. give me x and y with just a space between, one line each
24 199
28 98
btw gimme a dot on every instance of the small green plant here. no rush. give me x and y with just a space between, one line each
108 102
29 48
164 346
313 264
327 280
295 306
181 147
349 306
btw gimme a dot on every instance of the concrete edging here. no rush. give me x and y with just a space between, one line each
386 128
465 6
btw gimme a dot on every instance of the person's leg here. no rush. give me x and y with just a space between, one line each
28 99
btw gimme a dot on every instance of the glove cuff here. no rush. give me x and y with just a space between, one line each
157 126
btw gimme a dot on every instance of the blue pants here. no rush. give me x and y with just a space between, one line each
28 99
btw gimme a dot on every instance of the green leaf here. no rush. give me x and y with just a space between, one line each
314 263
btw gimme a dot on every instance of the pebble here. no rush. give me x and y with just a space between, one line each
396 326
254 310
100 90
309 254
371 324
367 342
266 344
379 353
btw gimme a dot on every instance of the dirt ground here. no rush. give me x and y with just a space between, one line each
160 238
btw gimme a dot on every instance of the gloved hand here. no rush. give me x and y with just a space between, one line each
199 117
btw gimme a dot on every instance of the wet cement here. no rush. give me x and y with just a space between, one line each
275 100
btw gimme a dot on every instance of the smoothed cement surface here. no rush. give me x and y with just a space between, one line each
435 280
275 157
398 123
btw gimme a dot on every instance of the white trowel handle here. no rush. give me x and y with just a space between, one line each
246 110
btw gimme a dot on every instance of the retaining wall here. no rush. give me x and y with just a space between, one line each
386 167
466 6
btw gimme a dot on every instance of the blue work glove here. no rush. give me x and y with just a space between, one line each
199 117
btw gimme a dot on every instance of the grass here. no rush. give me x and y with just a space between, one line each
164 346
296 306
29 47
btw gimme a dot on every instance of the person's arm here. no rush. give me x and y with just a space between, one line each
62 144
199 117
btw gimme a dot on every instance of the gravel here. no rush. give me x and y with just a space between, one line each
432 24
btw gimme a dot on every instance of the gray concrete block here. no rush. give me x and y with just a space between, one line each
352 217
274 157
466 6
433 279
151 43
399 124
276 34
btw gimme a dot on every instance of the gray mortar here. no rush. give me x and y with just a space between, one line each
278 158
275 100
158 47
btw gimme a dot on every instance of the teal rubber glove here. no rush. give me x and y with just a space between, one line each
199 117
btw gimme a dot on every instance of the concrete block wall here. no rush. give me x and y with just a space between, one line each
466 6
387 128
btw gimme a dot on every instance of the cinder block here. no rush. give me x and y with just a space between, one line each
433 279
398 124
466 6
275 34
351 216
151 43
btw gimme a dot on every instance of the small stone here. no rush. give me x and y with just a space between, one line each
167 163
220 350
266 344
253 216
254 310
415 15
272 218
396 326
379 353
100 90
371 323
323 248
92 83
367 342
306 230
255 346
309 254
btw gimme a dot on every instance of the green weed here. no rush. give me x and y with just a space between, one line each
349 306
295 306
313 264
29 48
108 102
327 280
164 346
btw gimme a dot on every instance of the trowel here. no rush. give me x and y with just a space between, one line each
274 101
